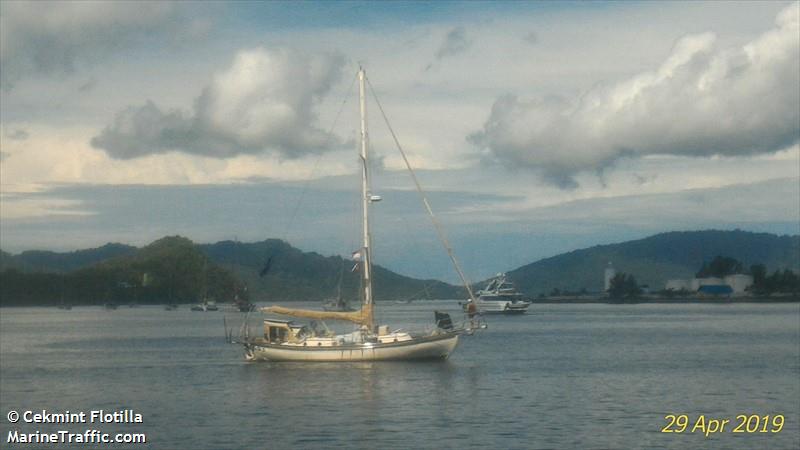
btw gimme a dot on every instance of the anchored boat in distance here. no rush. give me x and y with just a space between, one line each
500 297
205 306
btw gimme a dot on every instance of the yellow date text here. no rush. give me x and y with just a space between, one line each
709 425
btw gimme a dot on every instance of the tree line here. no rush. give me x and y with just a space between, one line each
171 270
624 286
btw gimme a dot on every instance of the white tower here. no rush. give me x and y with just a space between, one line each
610 272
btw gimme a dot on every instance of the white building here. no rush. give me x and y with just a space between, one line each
739 282
609 274
679 285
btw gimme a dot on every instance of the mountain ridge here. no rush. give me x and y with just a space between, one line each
655 259
297 275
176 267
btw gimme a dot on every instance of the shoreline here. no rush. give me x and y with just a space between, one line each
543 301
667 300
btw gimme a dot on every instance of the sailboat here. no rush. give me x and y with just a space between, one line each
284 340
63 304
206 305
338 303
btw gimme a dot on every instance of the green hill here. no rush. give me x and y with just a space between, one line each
656 259
174 269
171 269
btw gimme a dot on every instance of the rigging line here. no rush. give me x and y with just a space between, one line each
436 224
316 163
285 234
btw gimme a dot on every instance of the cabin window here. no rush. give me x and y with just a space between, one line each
277 334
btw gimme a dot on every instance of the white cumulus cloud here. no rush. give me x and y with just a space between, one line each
701 101
265 101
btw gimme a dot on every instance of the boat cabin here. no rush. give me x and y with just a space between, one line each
279 331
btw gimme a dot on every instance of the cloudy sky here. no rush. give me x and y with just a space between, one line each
538 128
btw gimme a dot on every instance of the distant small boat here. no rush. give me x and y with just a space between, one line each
110 306
241 304
245 306
206 306
64 305
170 307
337 304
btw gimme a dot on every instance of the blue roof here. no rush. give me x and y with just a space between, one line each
716 289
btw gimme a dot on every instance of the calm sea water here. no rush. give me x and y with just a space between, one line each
563 376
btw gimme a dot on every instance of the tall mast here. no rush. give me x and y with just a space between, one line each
365 200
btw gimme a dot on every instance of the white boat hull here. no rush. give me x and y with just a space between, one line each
432 347
501 307
499 297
